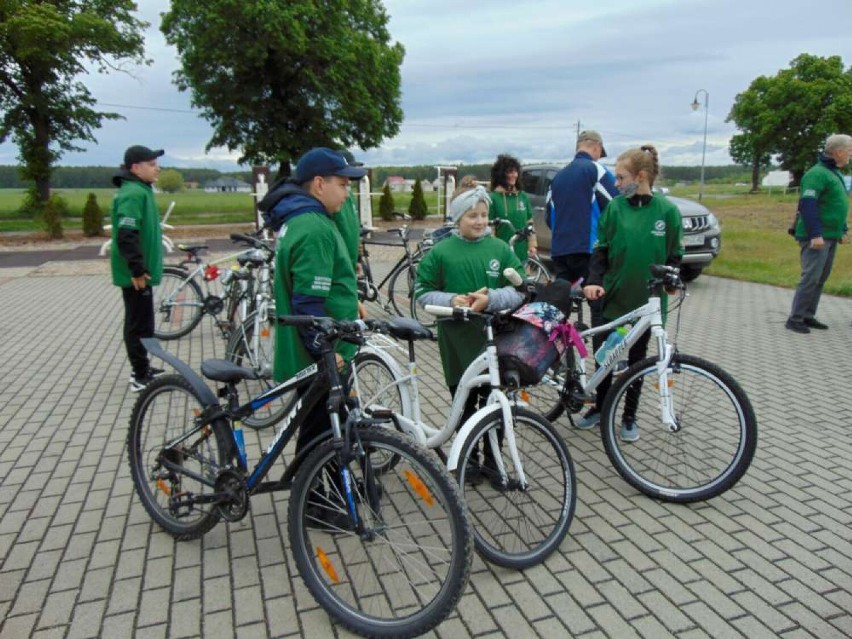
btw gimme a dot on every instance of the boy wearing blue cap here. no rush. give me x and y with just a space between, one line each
314 274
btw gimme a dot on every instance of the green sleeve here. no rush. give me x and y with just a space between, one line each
675 235
812 184
312 262
428 275
128 210
493 213
605 226
526 200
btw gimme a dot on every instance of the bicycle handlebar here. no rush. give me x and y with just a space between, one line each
251 240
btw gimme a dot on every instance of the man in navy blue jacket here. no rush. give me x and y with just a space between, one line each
578 195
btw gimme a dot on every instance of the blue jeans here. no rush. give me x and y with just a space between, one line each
816 267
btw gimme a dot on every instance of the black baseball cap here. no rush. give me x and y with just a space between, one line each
137 153
323 161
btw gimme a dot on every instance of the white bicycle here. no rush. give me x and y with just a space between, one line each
168 244
522 492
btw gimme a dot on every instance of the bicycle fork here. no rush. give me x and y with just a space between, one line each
664 381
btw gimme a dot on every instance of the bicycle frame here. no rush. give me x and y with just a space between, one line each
644 318
482 371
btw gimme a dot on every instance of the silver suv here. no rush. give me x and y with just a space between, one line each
702 237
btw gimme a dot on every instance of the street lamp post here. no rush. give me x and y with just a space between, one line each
695 106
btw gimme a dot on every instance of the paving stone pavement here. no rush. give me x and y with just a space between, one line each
80 558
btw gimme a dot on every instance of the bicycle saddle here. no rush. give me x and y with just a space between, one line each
408 329
191 248
221 370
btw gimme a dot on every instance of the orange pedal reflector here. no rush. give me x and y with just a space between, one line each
264 332
525 396
163 486
669 384
419 487
325 562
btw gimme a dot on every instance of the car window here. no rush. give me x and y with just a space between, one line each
548 178
532 180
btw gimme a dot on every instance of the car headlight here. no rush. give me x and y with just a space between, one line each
713 221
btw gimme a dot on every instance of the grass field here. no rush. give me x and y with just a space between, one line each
755 243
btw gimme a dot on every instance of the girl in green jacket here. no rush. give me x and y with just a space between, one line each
509 202
466 269
637 229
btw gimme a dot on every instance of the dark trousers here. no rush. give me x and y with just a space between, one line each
637 352
572 267
476 400
138 323
816 267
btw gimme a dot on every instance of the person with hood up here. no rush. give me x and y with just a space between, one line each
136 258
314 273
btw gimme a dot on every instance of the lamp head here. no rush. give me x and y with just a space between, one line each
695 104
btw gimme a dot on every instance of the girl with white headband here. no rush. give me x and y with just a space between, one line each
466 269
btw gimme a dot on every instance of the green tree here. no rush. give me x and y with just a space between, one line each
277 77
418 209
752 146
44 46
170 181
93 217
386 204
52 213
792 113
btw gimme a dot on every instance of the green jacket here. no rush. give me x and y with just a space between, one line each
349 224
634 238
516 208
825 185
461 266
135 209
311 259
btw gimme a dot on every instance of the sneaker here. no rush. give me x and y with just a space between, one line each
588 421
629 431
139 383
796 326
813 322
152 372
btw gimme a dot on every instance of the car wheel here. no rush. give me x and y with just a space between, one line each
689 273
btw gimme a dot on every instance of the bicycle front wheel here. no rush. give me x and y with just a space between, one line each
404 572
178 304
517 522
714 440
259 355
164 413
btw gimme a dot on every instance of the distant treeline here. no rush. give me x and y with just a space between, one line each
100 177
90 177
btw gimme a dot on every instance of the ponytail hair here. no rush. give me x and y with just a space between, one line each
645 158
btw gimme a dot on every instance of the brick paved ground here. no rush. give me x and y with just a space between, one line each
80 558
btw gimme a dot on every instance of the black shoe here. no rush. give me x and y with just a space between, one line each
472 473
815 323
155 372
798 327
139 383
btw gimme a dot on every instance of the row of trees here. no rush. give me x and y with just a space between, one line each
273 78
789 115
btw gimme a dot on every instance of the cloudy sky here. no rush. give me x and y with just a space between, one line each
513 76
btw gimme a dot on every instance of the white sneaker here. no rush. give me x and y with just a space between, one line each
588 421
629 431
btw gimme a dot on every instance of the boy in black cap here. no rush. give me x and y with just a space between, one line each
137 254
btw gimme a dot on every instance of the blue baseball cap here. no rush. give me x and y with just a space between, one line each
323 161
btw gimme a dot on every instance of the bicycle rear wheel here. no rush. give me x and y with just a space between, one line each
516 525
178 304
241 351
164 412
406 571
545 398
401 289
714 442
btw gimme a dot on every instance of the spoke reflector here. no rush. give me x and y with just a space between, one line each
419 487
163 486
325 562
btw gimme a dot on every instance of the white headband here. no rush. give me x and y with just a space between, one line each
466 201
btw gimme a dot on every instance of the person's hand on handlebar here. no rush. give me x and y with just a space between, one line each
478 300
593 292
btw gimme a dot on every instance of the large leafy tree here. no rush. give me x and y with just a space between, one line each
791 114
752 146
277 77
44 47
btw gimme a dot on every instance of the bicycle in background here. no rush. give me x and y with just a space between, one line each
385 550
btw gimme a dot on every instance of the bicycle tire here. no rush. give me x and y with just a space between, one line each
537 272
401 291
711 409
513 526
364 581
164 410
375 390
239 351
178 304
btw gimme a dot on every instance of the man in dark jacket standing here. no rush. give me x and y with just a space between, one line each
578 195
137 254
822 224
